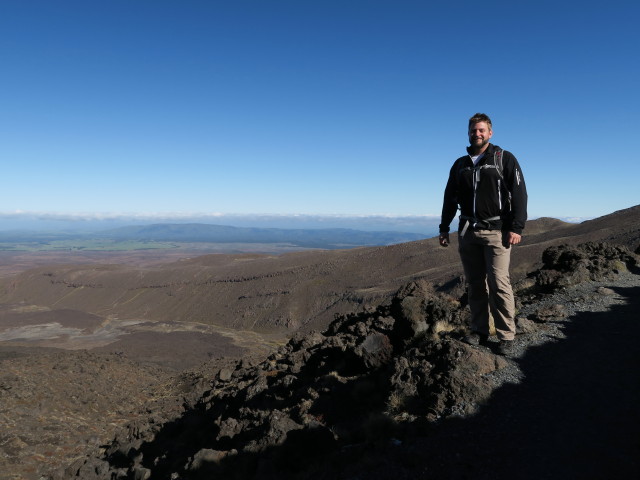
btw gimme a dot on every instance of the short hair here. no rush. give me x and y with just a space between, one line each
480 117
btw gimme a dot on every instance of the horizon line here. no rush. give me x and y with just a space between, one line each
199 217
178 215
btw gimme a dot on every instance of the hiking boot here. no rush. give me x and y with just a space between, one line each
506 347
476 339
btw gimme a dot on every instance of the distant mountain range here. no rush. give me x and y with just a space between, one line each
425 224
320 238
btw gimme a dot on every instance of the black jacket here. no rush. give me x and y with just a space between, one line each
483 194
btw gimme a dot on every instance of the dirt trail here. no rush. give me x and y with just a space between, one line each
574 415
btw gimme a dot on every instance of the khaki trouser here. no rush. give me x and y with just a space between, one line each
485 256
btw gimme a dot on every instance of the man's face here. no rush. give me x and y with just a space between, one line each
479 134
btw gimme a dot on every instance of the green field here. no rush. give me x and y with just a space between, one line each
98 245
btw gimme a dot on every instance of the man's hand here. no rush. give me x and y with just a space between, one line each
513 238
444 239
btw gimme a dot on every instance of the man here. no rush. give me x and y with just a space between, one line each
489 187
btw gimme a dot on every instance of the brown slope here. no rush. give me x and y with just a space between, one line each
244 292
389 394
544 224
281 293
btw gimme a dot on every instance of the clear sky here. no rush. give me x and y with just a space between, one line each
312 107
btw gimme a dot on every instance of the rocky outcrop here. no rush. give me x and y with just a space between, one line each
567 265
369 378
362 379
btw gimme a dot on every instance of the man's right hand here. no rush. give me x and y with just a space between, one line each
444 239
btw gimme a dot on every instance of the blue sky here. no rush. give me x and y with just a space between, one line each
305 107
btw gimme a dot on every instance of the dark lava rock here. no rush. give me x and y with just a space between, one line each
319 393
549 313
524 325
567 265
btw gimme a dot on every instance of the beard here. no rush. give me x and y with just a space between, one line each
478 142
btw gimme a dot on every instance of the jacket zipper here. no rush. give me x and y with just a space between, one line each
475 186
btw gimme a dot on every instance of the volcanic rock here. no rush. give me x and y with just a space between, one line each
370 378
567 265
320 392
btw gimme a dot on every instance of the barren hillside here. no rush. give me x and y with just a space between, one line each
278 294
394 393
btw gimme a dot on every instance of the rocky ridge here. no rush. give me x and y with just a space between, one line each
359 399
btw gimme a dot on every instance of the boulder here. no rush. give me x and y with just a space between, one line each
567 265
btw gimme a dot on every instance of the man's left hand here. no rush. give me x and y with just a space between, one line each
514 238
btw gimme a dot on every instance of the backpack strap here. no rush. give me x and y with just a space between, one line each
497 161
497 164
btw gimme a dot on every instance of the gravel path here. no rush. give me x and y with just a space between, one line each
592 297
568 403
